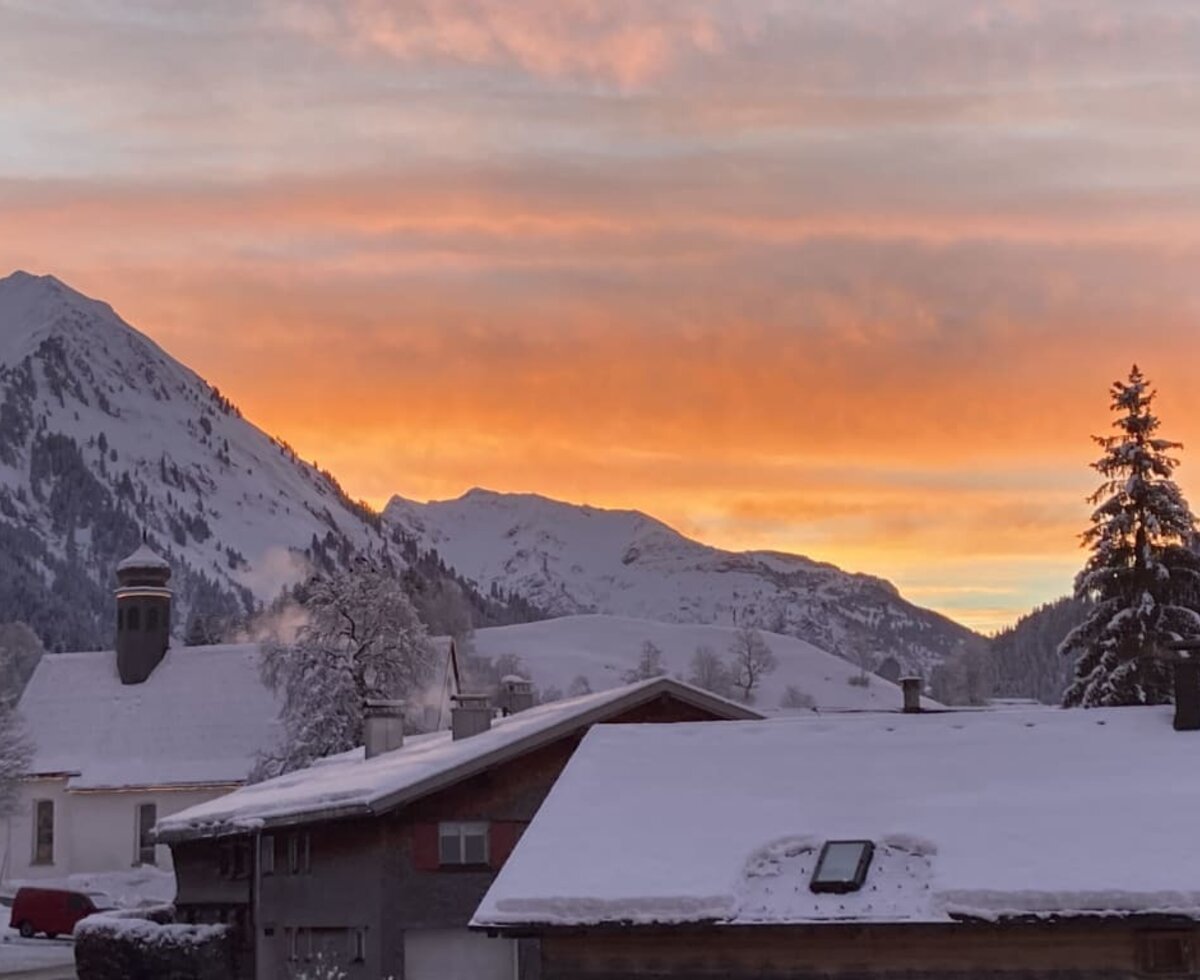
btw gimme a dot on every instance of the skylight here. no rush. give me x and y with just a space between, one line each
842 866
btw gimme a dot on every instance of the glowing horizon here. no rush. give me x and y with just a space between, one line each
844 280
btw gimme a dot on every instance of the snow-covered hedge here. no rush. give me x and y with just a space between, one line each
148 945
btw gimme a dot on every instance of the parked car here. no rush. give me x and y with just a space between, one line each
53 911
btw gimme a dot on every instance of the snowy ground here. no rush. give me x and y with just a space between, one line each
19 955
602 648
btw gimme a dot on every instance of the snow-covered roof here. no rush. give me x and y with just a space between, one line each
354 786
976 814
199 719
143 557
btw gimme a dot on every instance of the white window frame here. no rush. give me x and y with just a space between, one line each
460 830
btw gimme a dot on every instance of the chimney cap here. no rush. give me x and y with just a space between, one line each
383 707
144 557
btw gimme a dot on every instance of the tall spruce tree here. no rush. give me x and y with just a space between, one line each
1142 579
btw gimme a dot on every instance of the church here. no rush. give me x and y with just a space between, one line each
125 737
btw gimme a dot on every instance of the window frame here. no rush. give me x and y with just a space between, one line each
459 831
144 840
299 853
1150 960
266 854
38 859
842 886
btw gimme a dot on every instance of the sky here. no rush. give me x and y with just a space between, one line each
849 279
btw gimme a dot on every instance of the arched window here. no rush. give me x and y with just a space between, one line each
133 618
152 618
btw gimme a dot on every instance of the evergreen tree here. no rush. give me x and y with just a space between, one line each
1142 578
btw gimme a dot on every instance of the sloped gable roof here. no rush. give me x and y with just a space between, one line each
989 814
354 786
200 718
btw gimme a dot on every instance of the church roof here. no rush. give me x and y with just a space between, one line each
143 557
199 719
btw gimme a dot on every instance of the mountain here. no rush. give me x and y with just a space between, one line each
600 649
104 437
568 560
1025 656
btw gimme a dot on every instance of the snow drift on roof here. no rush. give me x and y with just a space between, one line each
352 784
973 814
200 718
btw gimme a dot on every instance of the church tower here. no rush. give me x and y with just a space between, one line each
143 614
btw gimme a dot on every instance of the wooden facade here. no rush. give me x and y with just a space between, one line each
1099 949
353 888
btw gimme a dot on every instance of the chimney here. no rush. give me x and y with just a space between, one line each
911 686
516 694
143 614
1187 693
383 726
471 714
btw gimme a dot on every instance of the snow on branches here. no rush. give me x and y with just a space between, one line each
1142 579
359 638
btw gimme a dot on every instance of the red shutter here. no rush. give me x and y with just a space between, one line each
425 847
502 838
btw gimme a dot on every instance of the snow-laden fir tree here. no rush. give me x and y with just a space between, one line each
1142 579
16 753
359 638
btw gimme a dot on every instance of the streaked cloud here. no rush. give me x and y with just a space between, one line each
849 279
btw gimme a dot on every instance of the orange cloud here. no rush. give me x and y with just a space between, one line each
625 41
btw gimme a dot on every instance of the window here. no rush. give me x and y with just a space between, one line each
133 618
842 866
299 854
152 618
1166 952
463 843
43 832
147 817
234 860
266 854
358 945
120 618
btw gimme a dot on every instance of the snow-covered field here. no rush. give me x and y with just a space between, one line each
602 648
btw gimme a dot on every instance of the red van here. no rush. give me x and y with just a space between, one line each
53 911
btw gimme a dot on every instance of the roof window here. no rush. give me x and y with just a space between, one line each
842 866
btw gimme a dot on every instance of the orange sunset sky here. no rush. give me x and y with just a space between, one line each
849 279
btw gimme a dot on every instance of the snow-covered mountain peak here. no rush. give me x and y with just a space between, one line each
103 434
570 560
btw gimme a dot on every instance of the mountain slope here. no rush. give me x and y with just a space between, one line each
570 559
102 436
601 648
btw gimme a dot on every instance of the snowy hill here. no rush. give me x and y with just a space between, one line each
570 559
601 648
103 434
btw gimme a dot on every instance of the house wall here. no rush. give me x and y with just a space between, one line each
382 874
1097 951
93 831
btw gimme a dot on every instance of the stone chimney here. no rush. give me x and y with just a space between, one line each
143 614
1187 693
911 686
383 726
516 694
471 714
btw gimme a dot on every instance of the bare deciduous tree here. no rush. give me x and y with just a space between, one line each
751 658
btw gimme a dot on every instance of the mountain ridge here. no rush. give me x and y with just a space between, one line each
579 559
